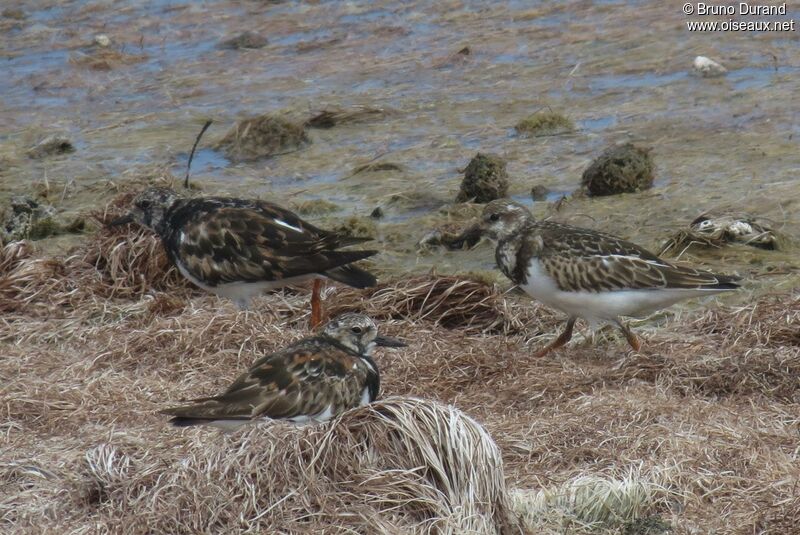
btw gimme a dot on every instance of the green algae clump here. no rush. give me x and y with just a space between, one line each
485 179
261 137
544 123
316 207
357 227
621 169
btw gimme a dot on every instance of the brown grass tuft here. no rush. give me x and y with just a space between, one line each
450 301
25 279
115 262
398 466
128 263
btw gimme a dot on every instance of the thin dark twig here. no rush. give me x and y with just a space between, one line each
191 154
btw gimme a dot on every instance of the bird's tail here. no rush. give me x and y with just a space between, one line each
183 421
352 276
345 241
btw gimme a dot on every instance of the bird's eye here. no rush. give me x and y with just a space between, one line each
144 204
356 330
494 217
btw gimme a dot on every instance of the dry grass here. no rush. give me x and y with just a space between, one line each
116 262
591 503
453 302
698 432
399 466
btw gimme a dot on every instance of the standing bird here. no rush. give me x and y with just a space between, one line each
588 274
309 381
238 248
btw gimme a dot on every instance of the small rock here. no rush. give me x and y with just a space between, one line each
485 179
450 236
49 146
539 192
13 13
27 219
377 213
707 67
621 169
244 40
102 40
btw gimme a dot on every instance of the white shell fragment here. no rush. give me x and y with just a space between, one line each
707 67
102 40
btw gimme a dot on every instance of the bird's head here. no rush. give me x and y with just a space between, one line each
149 207
358 333
502 218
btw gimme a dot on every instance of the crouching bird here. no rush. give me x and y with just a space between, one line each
309 381
588 274
238 248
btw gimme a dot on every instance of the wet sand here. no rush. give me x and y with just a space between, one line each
620 72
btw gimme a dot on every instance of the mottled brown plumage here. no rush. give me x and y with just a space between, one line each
587 273
311 380
585 260
240 247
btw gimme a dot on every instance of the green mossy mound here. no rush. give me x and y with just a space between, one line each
485 179
357 227
544 123
315 207
621 169
261 137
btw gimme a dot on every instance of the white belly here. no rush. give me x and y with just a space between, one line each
242 292
323 416
602 307
364 397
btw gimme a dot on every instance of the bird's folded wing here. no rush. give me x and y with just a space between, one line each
283 386
594 273
243 244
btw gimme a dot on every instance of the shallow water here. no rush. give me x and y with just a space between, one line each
621 73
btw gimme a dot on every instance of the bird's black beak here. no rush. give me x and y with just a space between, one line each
469 238
385 341
127 218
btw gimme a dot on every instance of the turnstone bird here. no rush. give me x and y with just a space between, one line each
588 274
238 248
309 381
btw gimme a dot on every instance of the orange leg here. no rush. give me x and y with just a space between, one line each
316 304
630 337
562 339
